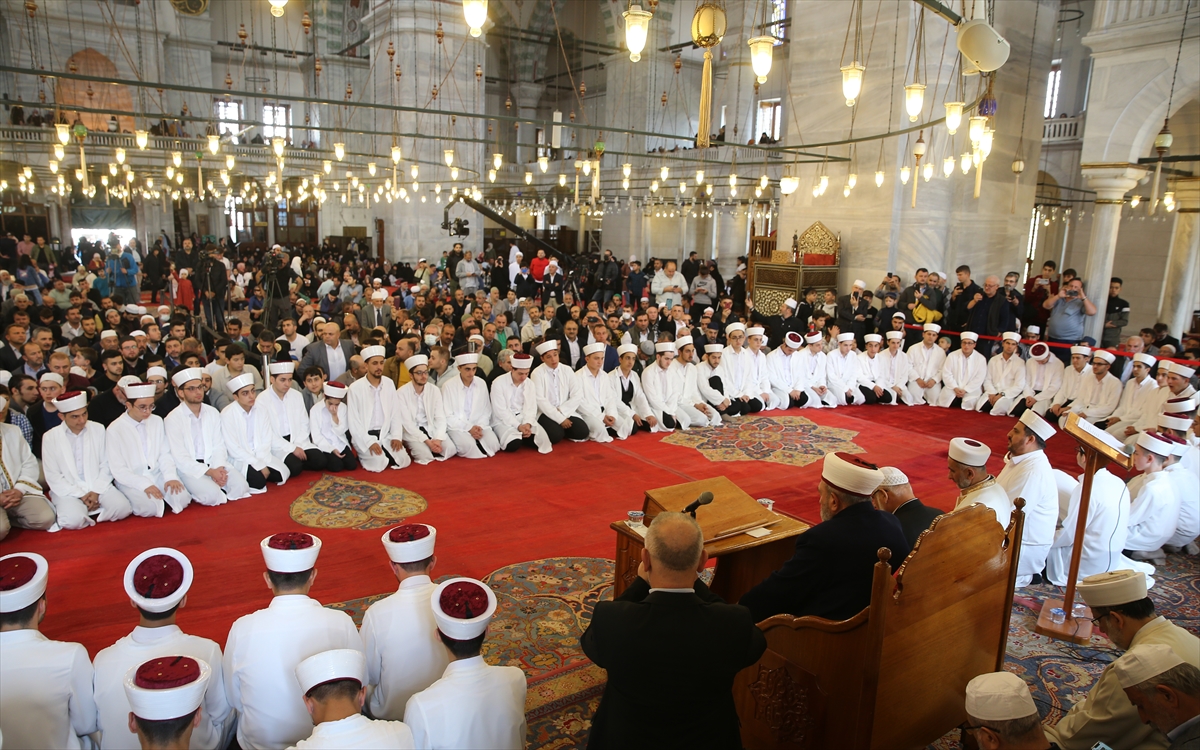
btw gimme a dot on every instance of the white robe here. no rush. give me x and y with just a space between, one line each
192 460
513 406
966 374
664 393
783 375
404 653
464 409
988 493
360 733
362 401
1137 397
137 648
637 404
1072 379
1154 514
690 375
737 374
1097 399
704 375
842 376
1149 419
1043 380
895 373
252 441
814 375
599 400
925 363
327 436
420 417
1104 534
1030 477
289 417
68 485
260 660
870 373
557 392
762 381
45 692
1005 377
1184 482
138 457
473 705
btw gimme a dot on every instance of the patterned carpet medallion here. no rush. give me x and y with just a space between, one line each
335 502
545 605
792 441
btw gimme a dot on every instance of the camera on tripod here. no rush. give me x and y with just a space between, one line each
273 262
457 228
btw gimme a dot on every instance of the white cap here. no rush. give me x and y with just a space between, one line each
476 337
290 552
735 327
789 302
127 380
379 294
78 401
1182 370
466 359
813 338
711 348
845 337
135 334
893 335
932 327
281 368
145 318
1164 420
131 309
1033 329
77 370
1145 359
410 542
849 473
188 375
1010 336
1114 588
1084 350
1106 356
23 578
891 476
164 308
683 341
755 331
1155 443
371 352
521 361
241 381
142 390
624 349
1179 405
328 666
51 377
968 336
1143 662
416 360
109 334
334 389
547 346
873 338
969 452
156 372
999 696
463 628
177 697
158 579
664 346
1040 351
1040 427
597 347
793 340
860 283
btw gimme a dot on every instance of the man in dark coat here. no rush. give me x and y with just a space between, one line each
831 571
672 649
779 325
895 496
854 313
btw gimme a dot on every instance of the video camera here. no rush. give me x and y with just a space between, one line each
457 228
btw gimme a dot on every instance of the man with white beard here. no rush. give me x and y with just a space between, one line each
894 363
1137 397
1104 532
421 415
925 361
1027 474
699 413
841 368
514 409
783 372
1004 383
963 375
1043 379
737 370
468 410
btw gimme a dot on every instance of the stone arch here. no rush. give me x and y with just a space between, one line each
114 96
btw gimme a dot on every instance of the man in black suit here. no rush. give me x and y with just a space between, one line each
671 648
854 312
831 571
895 496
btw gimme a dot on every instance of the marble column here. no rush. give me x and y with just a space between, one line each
1111 182
1181 282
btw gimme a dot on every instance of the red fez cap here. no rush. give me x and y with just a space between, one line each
158 577
464 600
167 672
409 532
291 540
16 571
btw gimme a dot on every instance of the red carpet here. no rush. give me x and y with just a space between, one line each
489 513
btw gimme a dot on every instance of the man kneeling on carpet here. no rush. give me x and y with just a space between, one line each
334 689
1165 689
1001 714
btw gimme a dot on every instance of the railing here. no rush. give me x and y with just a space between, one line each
101 139
1062 129
1111 14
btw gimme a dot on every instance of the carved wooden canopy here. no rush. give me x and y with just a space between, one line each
818 239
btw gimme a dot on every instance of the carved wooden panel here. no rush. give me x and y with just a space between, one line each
787 701
821 279
776 275
818 239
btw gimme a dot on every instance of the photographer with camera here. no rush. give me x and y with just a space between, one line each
1068 312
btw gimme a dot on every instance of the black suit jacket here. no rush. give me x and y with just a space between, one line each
671 659
10 359
830 573
914 517
105 408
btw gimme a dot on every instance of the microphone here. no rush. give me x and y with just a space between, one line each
704 499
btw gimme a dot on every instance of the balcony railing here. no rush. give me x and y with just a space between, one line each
1062 129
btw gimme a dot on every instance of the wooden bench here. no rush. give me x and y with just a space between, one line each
893 676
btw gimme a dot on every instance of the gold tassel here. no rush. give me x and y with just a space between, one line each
83 166
705 101
978 177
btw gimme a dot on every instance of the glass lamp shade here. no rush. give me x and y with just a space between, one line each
448 154
529 178
112 168
954 112
214 144
732 180
120 156
415 171
914 100
788 184
758 192
63 130
1134 201
708 189
846 190
948 166
985 143
141 137
664 173
1018 166
454 173
824 183
699 176
59 153
708 24
587 167
904 175
475 13
396 155
976 157
53 167
626 169
637 28
1169 200
339 150
816 190
683 186
1163 140
964 163
879 178
497 160
176 158
543 163
977 126
763 181
625 183
277 145
919 146
927 171
852 78
562 180
230 161
762 48
277 7
852 180
654 186
327 166
371 168
491 175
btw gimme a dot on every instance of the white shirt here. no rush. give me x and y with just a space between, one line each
360 733
45 692
138 455
925 362
1104 534
191 437
75 465
990 494
404 653
337 360
288 416
965 373
1044 379
1154 513
1097 399
1029 476
558 393
1005 377
473 705
465 408
261 655
327 436
416 410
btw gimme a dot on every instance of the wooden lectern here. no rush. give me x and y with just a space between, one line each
1099 448
743 561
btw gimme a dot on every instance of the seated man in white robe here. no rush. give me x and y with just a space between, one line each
783 373
894 363
632 403
197 444
841 367
756 337
1043 380
1183 478
962 375
968 470
330 429
515 411
1027 474
285 406
420 415
165 703
140 458
22 503
1104 532
1154 512
1072 380
699 412
256 450
1139 396
335 688
404 654
598 405
558 396
468 410
814 379
1004 384
737 371
925 360
75 463
708 382
374 431
871 383
664 387
473 705
1099 393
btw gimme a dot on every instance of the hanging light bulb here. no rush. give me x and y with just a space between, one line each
562 180
1169 200
914 100
179 177
823 183
761 51
663 173
852 78
846 190
170 172
543 163
905 171
277 7
229 161
454 173
879 178
225 177
587 167
625 183
964 163
975 130
529 178
637 29
1134 201
788 184
699 176
733 179
112 168
415 171
733 192
277 145
120 156
948 166
176 158
954 111
626 169
449 156
64 132
396 154
927 170
497 161
371 168
491 175
985 143
437 188
475 13
214 144
339 151
654 186
141 137
708 189
757 192
59 153
763 181
852 180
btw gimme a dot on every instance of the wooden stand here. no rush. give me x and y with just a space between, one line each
743 561
1097 454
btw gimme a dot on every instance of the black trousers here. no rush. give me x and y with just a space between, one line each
753 406
375 434
515 445
670 422
258 481
736 408
956 403
348 461
314 460
871 398
986 407
1018 409
577 431
794 403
